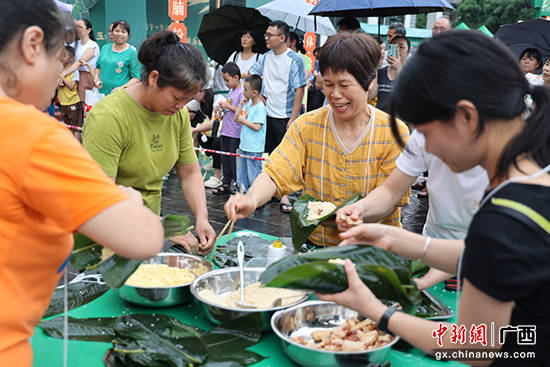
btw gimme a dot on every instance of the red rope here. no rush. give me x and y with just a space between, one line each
77 128
230 154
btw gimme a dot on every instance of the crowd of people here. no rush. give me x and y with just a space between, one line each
486 153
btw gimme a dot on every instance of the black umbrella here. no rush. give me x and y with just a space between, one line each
220 31
533 33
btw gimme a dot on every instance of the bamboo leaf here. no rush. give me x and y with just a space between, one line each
78 294
117 269
85 252
358 254
92 329
387 275
233 358
302 227
226 343
139 333
238 333
175 225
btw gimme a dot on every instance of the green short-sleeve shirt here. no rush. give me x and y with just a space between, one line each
135 146
117 68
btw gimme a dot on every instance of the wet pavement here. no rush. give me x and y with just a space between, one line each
268 219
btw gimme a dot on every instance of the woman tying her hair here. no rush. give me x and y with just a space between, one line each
50 187
504 261
338 150
140 133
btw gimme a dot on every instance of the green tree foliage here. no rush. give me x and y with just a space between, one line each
493 13
421 20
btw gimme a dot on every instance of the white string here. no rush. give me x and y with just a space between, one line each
65 319
485 199
366 180
86 278
322 169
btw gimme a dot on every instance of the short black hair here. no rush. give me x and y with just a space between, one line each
232 69
124 24
397 38
355 53
399 28
255 82
534 53
282 27
350 23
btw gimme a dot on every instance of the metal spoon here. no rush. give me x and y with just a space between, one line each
279 300
240 258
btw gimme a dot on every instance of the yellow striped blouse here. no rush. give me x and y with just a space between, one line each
312 158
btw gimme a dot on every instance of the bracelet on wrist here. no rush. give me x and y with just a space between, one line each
426 246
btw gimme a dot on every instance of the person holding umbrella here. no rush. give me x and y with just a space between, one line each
246 57
530 60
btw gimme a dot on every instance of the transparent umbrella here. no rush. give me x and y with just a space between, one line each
295 14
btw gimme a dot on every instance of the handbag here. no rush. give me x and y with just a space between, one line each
92 97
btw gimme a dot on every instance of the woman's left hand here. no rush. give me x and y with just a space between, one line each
358 296
206 234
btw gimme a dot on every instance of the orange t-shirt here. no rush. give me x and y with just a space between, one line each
49 186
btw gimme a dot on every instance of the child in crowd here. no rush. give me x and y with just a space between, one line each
71 107
251 113
205 132
231 131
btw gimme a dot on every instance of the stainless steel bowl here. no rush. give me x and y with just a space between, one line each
224 281
166 296
303 319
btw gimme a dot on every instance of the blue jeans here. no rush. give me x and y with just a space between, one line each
247 169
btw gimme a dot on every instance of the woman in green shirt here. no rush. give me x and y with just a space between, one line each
140 133
117 66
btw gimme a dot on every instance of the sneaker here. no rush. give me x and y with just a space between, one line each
213 182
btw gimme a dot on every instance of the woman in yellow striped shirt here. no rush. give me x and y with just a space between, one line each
336 151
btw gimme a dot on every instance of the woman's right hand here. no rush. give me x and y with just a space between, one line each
369 233
239 206
353 211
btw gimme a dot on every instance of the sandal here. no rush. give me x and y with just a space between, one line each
285 207
222 190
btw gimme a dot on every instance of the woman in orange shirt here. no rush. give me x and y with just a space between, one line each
49 185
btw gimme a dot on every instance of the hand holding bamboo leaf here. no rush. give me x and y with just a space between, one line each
357 296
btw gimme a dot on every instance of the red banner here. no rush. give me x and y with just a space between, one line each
313 2
310 41
177 9
180 29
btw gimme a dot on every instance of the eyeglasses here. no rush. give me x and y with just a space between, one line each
269 35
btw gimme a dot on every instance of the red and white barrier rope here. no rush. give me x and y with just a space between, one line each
203 150
229 154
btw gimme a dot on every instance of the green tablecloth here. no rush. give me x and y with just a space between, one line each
49 351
